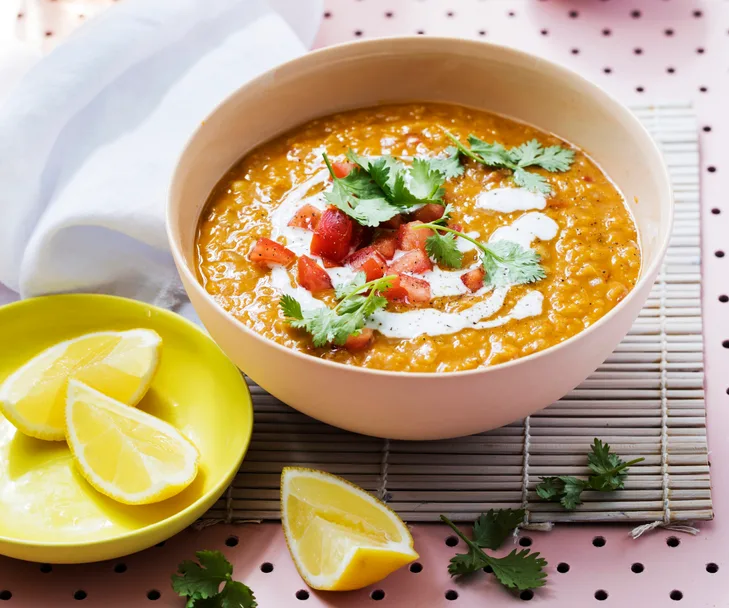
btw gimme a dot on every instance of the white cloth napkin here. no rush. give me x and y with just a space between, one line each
90 135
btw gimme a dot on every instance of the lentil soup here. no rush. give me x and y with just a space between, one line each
568 238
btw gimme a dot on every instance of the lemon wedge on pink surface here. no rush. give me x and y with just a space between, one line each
340 537
120 364
125 453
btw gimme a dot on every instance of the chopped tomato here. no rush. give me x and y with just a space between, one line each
267 252
361 235
396 292
307 217
418 289
413 261
342 169
429 213
332 236
393 222
386 243
361 341
369 261
311 276
329 264
410 237
473 279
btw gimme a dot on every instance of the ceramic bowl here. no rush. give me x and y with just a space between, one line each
480 75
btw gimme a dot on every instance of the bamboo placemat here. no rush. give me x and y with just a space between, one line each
646 399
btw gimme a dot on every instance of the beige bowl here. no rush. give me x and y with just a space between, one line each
476 74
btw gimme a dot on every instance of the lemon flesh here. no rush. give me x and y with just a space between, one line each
125 453
120 364
339 536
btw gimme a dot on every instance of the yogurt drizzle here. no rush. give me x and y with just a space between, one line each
429 321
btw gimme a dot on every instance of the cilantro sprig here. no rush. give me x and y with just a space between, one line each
608 474
505 262
554 159
208 583
519 569
358 300
379 188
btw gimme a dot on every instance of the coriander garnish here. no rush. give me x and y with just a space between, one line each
520 569
200 583
531 154
334 325
609 473
505 262
377 189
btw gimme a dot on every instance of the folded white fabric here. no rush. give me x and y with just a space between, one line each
90 135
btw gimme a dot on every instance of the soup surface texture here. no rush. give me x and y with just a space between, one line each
447 318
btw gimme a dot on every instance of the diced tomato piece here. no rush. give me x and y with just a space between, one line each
410 237
429 213
361 235
360 342
473 279
413 261
307 217
393 222
342 169
396 292
369 261
311 276
267 252
329 264
418 289
386 243
332 236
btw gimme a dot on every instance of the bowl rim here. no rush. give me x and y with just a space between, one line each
183 514
595 90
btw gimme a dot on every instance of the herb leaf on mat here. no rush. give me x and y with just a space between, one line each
520 569
608 474
200 583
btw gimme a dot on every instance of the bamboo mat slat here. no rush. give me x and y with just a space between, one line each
646 399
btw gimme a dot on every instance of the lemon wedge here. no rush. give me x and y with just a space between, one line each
340 537
125 453
118 363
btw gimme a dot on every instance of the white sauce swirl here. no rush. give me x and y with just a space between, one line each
429 321
508 200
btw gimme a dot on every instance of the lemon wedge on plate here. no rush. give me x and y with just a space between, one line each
125 453
118 363
339 536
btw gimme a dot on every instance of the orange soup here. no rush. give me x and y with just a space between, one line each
417 237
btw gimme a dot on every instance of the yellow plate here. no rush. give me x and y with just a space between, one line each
48 512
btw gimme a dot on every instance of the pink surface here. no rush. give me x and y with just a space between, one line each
639 43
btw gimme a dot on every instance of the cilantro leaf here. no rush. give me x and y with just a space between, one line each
530 154
608 468
563 489
200 583
359 197
291 308
531 181
608 474
506 262
466 563
443 248
334 325
237 595
491 529
203 579
520 569
450 165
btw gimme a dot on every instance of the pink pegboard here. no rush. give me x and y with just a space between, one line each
641 51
